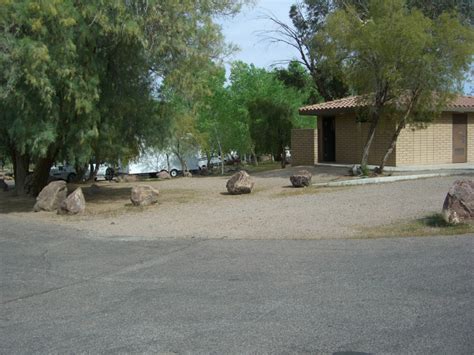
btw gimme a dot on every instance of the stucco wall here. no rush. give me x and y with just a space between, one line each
304 147
352 135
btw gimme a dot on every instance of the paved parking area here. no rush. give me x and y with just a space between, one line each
66 292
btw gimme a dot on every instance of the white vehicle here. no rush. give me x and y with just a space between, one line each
152 162
63 172
105 172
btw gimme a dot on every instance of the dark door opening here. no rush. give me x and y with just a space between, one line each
459 138
329 139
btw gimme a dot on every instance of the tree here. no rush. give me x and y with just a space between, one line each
81 78
219 117
399 61
269 106
306 34
308 19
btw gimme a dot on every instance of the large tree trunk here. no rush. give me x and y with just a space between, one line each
41 174
21 168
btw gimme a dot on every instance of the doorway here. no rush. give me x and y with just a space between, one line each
459 138
329 139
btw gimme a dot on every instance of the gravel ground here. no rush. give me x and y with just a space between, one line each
273 211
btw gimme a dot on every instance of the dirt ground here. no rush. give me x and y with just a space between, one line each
199 207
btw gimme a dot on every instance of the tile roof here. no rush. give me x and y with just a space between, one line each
460 103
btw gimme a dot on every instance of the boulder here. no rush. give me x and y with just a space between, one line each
240 183
459 202
75 203
301 179
51 197
144 195
187 174
355 170
164 175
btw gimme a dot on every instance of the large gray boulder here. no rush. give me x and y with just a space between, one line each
240 183
301 179
144 195
459 202
50 198
75 203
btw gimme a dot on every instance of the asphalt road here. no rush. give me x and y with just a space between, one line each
61 292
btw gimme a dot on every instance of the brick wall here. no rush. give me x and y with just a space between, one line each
352 135
470 137
304 147
430 145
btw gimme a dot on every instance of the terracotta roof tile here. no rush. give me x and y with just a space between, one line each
460 103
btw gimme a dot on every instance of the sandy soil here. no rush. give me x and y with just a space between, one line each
200 208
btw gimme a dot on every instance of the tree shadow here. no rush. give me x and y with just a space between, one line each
11 203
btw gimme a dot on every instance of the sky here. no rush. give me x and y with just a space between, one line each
245 31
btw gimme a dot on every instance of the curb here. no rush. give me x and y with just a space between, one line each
385 179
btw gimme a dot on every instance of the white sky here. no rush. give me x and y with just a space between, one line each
243 30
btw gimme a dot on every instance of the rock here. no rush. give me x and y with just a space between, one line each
459 202
164 175
51 197
144 195
3 185
240 183
355 170
301 179
187 174
75 203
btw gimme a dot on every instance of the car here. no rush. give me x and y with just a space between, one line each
214 161
63 172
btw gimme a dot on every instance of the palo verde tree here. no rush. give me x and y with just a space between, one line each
404 65
80 78
309 17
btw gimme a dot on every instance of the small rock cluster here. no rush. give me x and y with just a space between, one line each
54 197
459 202
301 179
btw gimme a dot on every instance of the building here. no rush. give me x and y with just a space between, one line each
341 135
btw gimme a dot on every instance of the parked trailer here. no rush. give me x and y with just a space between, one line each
152 162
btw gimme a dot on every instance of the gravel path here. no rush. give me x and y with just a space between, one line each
273 210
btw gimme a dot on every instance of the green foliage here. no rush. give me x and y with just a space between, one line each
269 106
82 78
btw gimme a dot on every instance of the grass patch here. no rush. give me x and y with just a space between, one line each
261 167
432 225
